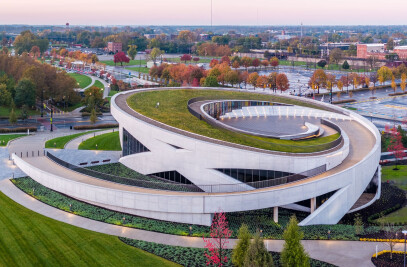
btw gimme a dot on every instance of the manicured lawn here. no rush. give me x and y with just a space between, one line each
83 80
30 239
173 111
131 62
98 84
60 142
73 107
4 139
399 177
399 216
113 92
142 69
108 141
5 111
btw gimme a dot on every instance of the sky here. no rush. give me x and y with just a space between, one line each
198 12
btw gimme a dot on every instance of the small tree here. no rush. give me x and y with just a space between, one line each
24 112
345 65
321 63
338 95
12 117
240 251
293 253
257 254
132 51
216 245
93 118
186 58
395 146
390 234
358 224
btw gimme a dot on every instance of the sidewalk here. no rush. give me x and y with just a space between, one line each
340 253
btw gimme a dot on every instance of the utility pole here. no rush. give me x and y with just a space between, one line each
52 112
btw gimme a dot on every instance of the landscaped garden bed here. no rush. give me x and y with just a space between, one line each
194 257
256 220
383 259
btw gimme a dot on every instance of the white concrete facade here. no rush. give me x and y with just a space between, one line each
197 160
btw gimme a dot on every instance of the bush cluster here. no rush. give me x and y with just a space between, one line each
18 130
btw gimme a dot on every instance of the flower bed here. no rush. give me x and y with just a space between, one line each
383 258
256 219
194 257
382 240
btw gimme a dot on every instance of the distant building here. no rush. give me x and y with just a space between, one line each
401 51
114 47
371 50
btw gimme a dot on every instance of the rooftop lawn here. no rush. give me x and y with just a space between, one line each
173 111
82 80
60 142
107 141
5 138
399 176
31 239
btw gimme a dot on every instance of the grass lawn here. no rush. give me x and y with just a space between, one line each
131 62
83 80
142 69
30 239
98 84
113 92
108 141
173 111
399 216
5 138
399 177
73 107
60 142
5 111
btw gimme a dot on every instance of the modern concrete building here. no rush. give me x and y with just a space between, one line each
220 175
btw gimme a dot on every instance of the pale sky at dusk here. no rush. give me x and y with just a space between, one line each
197 12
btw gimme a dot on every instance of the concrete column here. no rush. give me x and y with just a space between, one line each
275 214
313 204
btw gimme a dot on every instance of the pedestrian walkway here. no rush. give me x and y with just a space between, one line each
340 253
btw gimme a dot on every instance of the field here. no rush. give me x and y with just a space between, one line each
5 138
131 62
173 111
5 112
398 177
142 69
82 80
108 141
60 142
30 239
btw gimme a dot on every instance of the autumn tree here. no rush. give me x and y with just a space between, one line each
235 64
256 63
186 58
120 57
272 81
216 245
242 246
225 59
335 55
265 63
384 74
396 147
246 62
252 79
232 77
155 54
282 82
262 82
196 59
318 79
213 63
403 82
93 97
293 253
132 51
393 84
274 62
35 50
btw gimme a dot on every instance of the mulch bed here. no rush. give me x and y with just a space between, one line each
384 260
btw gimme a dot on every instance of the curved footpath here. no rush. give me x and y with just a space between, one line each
340 253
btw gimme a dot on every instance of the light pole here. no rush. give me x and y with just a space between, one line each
405 233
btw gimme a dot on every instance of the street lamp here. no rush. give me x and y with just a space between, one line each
405 234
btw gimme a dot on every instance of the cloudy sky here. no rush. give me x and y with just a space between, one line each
197 12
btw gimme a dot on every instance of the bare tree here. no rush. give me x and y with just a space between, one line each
390 236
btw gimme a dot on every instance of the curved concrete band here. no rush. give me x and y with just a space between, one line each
349 170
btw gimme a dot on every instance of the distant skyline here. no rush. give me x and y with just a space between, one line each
190 12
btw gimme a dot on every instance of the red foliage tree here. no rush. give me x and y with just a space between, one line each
120 57
216 245
186 58
225 59
282 82
196 59
395 146
256 62
213 63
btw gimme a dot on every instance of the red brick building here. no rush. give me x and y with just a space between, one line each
369 50
401 51
114 47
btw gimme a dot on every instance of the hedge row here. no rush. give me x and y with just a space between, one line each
18 130
398 93
87 114
194 257
96 126
344 101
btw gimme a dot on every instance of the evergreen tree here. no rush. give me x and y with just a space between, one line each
240 251
93 117
25 93
257 254
13 117
345 65
24 112
293 253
